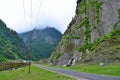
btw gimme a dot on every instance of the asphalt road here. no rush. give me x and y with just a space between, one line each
79 75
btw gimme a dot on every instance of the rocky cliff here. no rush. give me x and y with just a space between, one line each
93 36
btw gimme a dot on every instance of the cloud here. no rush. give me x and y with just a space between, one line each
54 13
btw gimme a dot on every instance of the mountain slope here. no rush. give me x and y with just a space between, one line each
11 46
43 41
93 36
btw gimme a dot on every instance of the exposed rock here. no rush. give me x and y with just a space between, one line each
78 1
76 57
95 22
101 64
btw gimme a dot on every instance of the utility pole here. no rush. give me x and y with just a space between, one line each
29 57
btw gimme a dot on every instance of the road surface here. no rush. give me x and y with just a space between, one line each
79 75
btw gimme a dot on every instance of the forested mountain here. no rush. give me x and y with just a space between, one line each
43 41
93 36
11 46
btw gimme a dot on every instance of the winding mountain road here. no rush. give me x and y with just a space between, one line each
78 75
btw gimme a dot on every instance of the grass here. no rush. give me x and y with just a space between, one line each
36 74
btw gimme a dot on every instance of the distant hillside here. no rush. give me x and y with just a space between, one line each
43 41
11 46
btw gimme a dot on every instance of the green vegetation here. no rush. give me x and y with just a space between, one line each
87 34
72 22
43 41
2 58
96 5
82 23
105 49
119 13
85 22
11 46
36 74
69 46
97 42
85 5
92 38
113 33
55 56
68 37
111 69
99 49
75 37
116 24
98 8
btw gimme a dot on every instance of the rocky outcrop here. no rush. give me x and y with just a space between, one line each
78 1
95 21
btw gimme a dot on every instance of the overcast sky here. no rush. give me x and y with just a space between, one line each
54 13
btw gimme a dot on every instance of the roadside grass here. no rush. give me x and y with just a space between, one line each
36 74
111 69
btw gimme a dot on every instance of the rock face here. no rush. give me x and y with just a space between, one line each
95 24
43 41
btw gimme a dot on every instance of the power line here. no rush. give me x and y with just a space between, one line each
31 15
39 11
24 12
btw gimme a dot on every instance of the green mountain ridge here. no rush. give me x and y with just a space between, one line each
43 41
11 46
93 36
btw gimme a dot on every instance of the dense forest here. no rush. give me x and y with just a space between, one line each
43 41
11 46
